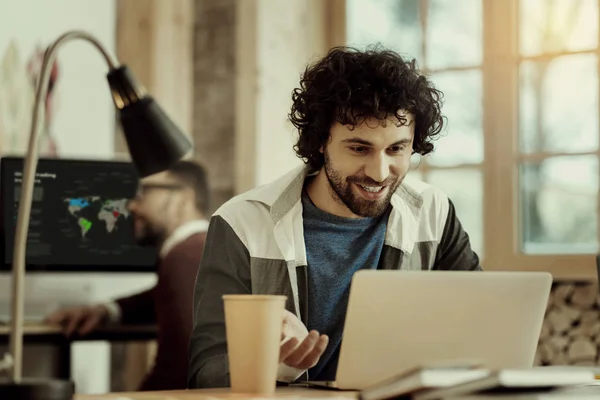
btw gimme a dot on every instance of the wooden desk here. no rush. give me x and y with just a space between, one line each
304 393
31 329
581 393
210 394
112 333
48 334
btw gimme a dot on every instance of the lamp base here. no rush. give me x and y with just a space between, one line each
37 389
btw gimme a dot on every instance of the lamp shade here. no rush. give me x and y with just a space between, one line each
154 141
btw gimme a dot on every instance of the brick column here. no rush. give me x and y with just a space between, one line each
214 93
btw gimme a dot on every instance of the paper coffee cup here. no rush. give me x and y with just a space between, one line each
253 326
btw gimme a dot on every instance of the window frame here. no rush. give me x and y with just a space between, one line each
501 153
500 69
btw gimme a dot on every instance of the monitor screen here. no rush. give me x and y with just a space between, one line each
79 218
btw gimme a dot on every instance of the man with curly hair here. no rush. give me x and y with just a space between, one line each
360 116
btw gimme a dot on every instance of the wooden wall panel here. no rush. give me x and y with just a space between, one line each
155 39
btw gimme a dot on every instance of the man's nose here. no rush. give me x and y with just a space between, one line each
378 168
131 205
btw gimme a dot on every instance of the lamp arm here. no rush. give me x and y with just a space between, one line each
15 358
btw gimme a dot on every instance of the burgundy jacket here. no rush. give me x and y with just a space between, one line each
169 305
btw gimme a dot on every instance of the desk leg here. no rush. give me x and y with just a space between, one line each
64 367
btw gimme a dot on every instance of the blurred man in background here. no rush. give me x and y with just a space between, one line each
169 213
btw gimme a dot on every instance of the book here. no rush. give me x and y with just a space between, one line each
594 369
530 396
514 381
586 392
423 378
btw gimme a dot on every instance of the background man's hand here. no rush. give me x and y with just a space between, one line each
82 320
299 348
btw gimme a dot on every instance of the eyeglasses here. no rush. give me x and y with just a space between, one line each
144 188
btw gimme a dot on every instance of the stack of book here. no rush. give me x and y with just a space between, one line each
436 383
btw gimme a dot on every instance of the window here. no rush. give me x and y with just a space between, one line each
558 126
446 41
520 153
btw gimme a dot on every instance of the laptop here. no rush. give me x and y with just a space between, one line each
401 320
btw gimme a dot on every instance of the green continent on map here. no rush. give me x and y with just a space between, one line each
92 209
85 226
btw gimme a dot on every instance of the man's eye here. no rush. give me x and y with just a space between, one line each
359 149
396 149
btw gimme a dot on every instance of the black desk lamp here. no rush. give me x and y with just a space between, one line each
154 142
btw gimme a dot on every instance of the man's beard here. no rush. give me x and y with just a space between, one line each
149 235
343 192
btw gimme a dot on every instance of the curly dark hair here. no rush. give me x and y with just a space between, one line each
349 85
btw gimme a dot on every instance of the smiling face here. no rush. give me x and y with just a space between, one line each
363 167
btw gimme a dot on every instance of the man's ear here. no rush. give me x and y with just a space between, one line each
322 148
189 196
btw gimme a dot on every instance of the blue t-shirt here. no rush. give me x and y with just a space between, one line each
336 247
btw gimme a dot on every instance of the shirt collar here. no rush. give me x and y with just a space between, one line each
182 233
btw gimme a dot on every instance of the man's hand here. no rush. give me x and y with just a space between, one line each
82 320
299 348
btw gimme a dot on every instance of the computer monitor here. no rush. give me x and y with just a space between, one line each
79 218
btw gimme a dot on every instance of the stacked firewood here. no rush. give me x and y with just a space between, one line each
571 331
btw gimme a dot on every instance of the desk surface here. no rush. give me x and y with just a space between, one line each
304 393
108 333
32 329
210 394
